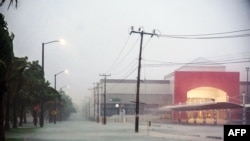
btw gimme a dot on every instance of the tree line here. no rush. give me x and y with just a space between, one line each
23 89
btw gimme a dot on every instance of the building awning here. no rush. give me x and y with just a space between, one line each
202 106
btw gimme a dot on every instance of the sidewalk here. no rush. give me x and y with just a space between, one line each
184 132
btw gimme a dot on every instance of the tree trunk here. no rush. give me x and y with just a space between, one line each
50 115
3 89
35 118
7 114
24 115
21 115
2 134
14 114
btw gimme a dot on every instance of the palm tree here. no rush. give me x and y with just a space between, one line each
32 86
10 3
14 82
6 56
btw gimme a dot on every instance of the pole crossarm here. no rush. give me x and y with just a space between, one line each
142 33
145 33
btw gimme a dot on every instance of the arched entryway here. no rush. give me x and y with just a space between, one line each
206 95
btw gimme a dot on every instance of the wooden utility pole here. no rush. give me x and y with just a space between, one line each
94 88
141 32
104 98
245 99
97 103
90 102
247 68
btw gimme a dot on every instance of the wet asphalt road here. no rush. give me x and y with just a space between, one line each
92 131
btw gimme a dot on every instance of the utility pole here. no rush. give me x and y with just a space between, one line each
90 104
245 98
97 102
94 100
141 32
104 98
100 99
247 68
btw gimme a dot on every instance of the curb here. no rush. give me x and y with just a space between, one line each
214 137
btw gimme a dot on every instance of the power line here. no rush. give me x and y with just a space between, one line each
133 69
146 43
132 63
218 33
215 37
235 58
208 61
196 63
232 55
123 78
117 64
125 44
209 35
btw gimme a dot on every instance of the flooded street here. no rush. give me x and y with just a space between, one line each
92 131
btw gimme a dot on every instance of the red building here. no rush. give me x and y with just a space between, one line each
228 82
211 88
203 92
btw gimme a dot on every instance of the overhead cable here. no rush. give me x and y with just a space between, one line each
228 34
117 58
218 33
212 37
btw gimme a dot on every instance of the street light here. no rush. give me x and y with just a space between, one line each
117 107
65 71
41 119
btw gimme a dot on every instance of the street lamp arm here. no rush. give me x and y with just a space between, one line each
59 72
51 42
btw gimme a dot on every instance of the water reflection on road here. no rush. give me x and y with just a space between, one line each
92 131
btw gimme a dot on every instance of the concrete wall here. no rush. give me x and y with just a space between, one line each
153 94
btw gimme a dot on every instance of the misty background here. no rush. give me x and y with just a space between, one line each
97 39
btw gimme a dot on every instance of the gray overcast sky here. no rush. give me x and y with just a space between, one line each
96 31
